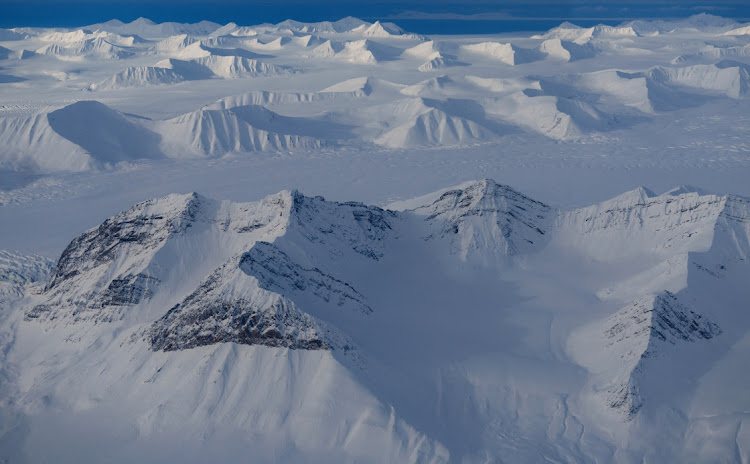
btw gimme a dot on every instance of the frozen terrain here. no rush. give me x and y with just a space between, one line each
544 315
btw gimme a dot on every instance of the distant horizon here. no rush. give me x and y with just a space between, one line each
469 18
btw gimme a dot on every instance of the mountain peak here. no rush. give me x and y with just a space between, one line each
487 221
660 318
638 196
644 331
682 189
142 21
149 222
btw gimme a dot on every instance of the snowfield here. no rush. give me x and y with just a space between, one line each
539 305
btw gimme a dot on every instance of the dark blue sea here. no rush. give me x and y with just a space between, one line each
421 17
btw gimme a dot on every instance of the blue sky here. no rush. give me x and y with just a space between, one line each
414 14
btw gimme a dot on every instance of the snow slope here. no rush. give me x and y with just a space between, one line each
140 76
84 135
98 47
534 86
294 287
580 35
566 51
215 132
506 53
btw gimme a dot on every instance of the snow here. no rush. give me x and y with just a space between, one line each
544 315
579 35
504 52
727 77
739 31
238 129
174 43
566 51
140 76
82 135
303 267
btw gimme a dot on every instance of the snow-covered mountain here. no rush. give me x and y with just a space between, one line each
581 35
485 221
140 76
244 128
506 53
144 27
97 47
472 324
571 84
619 349
83 135
298 292
90 135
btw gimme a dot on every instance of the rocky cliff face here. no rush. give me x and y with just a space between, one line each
640 224
640 331
107 267
215 313
250 300
268 255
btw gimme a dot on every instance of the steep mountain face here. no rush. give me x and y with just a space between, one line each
727 77
580 35
187 300
107 268
566 51
731 240
254 293
174 43
506 53
434 127
384 30
486 219
238 66
362 51
552 116
97 47
426 122
438 61
639 223
621 348
234 308
106 134
246 128
16 135
657 239
129 258
195 62
140 76
81 135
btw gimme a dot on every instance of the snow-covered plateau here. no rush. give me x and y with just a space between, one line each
527 310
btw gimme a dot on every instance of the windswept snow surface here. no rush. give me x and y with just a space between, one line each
544 316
